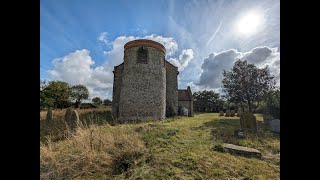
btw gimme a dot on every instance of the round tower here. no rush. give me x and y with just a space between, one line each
143 91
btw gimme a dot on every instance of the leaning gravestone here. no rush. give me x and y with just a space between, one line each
248 121
275 125
49 116
267 118
239 112
221 113
227 113
232 113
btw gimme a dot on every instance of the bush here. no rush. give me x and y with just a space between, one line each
87 106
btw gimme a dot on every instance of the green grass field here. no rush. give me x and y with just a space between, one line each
176 148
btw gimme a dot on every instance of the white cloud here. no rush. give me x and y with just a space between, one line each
103 37
76 68
115 55
184 58
214 65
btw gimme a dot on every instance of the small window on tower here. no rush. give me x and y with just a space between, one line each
142 55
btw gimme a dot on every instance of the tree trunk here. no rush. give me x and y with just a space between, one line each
256 106
250 107
77 103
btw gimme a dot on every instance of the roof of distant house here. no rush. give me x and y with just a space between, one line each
184 95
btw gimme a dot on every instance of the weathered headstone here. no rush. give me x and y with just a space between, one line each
239 112
267 118
67 115
49 116
275 125
227 113
74 121
248 121
221 113
232 113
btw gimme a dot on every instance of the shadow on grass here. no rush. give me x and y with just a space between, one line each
222 131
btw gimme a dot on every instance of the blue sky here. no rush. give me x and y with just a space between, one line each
81 41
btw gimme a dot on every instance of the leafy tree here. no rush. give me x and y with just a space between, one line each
247 84
107 102
96 101
204 101
56 94
271 103
79 93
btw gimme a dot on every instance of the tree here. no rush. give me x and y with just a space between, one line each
79 93
107 102
56 94
97 101
247 84
204 101
272 103
42 96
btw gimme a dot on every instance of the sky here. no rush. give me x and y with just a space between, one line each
82 40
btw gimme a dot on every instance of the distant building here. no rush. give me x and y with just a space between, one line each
145 85
185 100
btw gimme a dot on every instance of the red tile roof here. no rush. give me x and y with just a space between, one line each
183 95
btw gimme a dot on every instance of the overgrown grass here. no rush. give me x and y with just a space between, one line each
94 153
176 148
57 129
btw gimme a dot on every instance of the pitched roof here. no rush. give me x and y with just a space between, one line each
167 62
183 95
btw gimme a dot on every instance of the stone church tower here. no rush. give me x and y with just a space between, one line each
145 84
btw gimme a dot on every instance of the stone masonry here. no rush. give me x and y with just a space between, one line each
145 84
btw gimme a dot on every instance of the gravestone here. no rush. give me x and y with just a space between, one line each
242 150
67 116
221 113
74 121
185 111
232 113
275 125
227 113
49 116
267 118
248 122
239 112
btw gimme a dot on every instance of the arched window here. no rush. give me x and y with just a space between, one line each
142 55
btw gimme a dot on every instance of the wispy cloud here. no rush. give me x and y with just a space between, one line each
103 37
214 34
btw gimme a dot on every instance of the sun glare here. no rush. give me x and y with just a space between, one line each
249 23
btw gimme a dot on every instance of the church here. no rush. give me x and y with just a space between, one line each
145 85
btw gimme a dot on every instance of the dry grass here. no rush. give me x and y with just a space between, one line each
93 153
57 129
176 148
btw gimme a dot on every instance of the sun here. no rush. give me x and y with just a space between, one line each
249 23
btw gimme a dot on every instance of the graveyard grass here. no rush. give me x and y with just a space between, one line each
176 148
